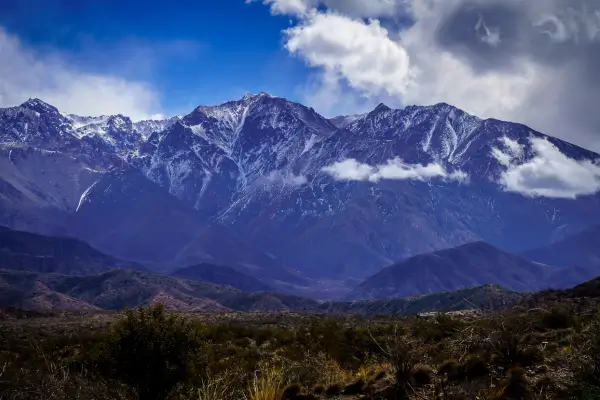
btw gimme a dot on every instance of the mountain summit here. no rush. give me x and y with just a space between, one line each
298 199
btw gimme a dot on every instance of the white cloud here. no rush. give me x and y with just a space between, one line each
285 179
532 82
350 170
25 73
360 52
365 54
395 169
549 173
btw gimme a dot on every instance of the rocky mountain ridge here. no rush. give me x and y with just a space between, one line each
273 177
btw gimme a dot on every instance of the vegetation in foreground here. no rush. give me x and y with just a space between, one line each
549 352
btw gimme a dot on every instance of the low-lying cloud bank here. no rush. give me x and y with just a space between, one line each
549 173
395 169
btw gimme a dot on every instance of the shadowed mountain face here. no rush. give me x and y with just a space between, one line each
25 251
221 275
448 270
120 289
577 256
581 250
263 185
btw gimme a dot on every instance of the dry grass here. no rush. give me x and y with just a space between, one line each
534 355
268 384
215 388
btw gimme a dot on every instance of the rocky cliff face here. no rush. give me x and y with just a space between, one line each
306 196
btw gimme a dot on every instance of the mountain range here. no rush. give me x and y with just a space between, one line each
270 188
24 251
120 289
38 272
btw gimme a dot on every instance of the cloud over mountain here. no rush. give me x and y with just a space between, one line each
532 62
549 173
26 73
395 169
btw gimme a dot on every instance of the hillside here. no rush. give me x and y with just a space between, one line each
120 289
473 264
221 275
483 298
23 251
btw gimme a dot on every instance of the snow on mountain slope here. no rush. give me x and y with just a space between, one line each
343 121
329 198
229 150
147 127
35 123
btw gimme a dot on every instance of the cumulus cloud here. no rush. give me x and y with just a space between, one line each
534 62
25 73
395 169
361 52
549 173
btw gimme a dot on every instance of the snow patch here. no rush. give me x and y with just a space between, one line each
84 196
310 143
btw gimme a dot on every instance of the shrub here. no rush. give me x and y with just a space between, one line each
151 351
266 385
449 367
516 387
291 391
588 361
436 329
474 367
379 376
357 387
214 388
422 375
558 318
319 389
334 390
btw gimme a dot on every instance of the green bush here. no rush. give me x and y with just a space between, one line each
151 351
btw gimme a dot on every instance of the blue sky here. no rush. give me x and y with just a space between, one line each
194 52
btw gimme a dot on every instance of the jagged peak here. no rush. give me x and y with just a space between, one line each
437 107
381 108
38 105
251 96
118 117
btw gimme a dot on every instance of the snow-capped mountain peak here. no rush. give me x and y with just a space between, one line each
341 200
252 96
39 106
342 121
